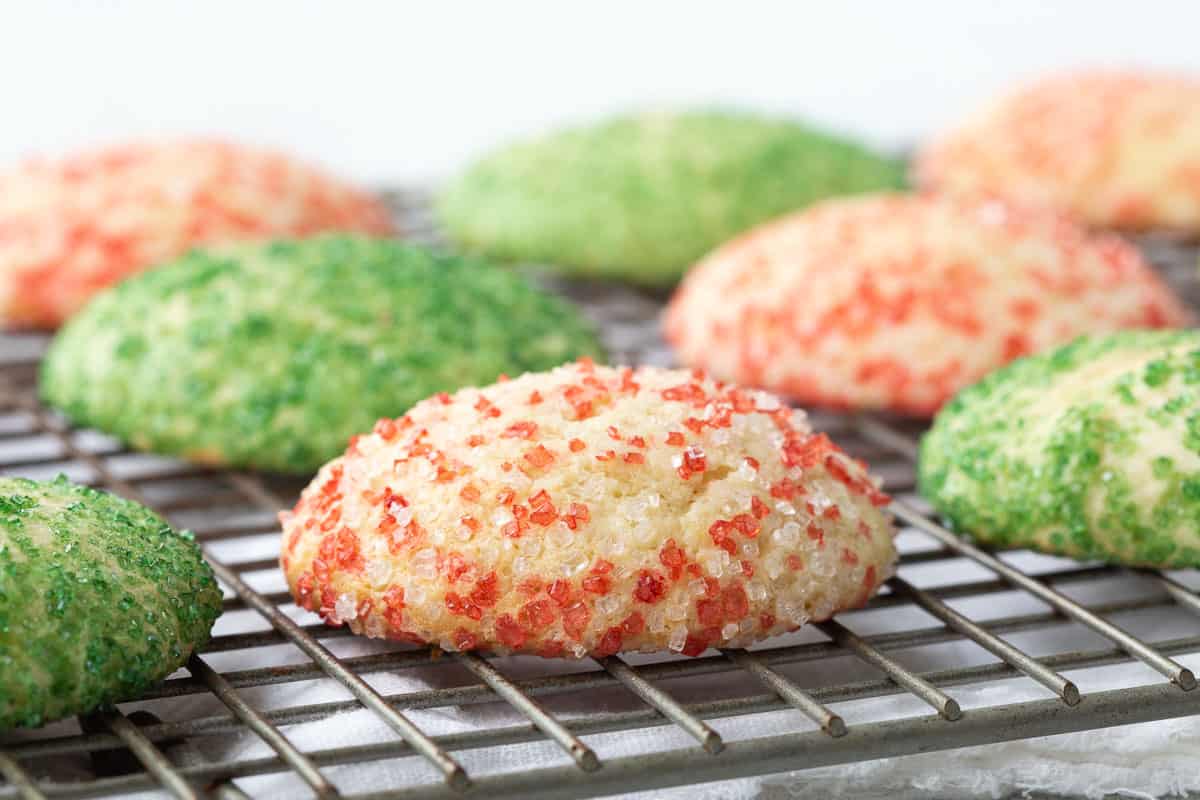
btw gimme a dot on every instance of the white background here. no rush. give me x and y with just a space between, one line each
388 92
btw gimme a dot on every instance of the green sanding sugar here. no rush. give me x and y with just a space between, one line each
1091 451
642 197
99 599
274 355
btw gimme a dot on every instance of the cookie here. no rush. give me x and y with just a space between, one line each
639 198
1114 149
1090 451
69 228
271 355
586 511
99 599
897 301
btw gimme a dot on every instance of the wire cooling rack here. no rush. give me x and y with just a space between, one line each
804 688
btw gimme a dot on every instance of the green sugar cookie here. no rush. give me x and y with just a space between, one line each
641 197
99 599
1090 451
274 355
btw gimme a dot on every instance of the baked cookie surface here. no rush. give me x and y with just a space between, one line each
639 198
1114 149
897 301
99 599
587 511
1091 450
271 355
69 228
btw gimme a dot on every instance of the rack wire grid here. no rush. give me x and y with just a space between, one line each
806 685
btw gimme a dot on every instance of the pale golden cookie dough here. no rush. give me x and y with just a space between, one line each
586 511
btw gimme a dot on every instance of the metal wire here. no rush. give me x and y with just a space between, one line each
844 637
150 756
799 699
34 441
18 778
265 730
1012 655
671 709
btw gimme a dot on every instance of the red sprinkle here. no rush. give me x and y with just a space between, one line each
633 624
486 591
520 430
510 632
542 509
393 607
577 514
672 558
758 508
721 534
686 393
386 428
709 612
747 525
464 640
575 619
560 592
537 615
807 452
610 643
694 463
460 606
552 649
857 484
651 586
695 645
455 567
597 584
735 603
304 591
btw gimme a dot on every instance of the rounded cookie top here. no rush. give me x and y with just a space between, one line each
897 301
1114 149
272 355
641 197
1091 450
69 228
589 510
99 599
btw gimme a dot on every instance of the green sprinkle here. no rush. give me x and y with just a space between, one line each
640 198
273 355
1044 454
79 572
